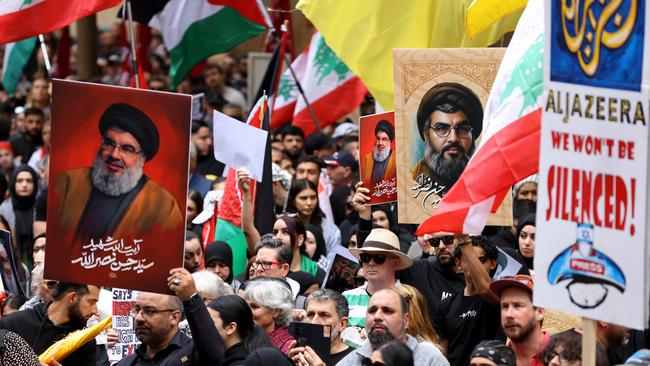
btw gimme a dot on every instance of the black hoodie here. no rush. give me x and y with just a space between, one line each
39 332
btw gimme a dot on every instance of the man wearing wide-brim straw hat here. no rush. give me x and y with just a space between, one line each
381 257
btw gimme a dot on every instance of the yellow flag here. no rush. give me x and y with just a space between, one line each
481 14
364 32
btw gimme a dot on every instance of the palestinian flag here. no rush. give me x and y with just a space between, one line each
193 30
21 19
16 56
330 87
509 150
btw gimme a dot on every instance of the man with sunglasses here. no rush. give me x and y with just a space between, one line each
381 258
437 278
113 197
449 119
470 315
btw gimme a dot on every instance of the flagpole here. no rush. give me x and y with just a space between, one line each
45 55
304 97
134 58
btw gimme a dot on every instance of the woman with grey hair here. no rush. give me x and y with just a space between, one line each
271 302
210 286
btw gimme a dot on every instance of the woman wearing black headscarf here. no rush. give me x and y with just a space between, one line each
18 209
526 239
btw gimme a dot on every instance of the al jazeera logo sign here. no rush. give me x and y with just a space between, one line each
598 42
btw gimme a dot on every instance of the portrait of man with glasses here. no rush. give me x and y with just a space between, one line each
114 195
449 119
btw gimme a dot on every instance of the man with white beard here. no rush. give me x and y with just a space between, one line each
449 119
114 197
381 161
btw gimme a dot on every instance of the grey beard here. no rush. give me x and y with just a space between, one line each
380 156
379 339
115 185
447 169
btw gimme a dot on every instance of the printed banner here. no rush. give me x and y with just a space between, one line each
118 185
439 98
124 302
591 254
377 150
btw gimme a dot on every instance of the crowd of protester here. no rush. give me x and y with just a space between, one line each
427 300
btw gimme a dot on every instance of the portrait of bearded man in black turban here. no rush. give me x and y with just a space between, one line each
449 119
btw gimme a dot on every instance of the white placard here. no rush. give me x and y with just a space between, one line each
123 324
591 255
239 145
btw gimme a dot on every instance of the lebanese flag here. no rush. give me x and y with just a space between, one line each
20 19
509 150
330 87
193 30
288 94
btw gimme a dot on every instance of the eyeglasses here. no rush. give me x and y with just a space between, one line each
264 264
446 240
444 129
148 311
378 258
126 151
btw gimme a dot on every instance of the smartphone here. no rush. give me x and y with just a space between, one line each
312 335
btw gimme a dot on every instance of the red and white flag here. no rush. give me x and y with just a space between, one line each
509 150
330 87
20 19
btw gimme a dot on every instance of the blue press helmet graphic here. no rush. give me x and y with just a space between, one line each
587 271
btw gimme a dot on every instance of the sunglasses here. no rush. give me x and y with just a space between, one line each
446 240
378 258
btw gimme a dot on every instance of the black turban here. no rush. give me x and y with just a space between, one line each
386 127
461 97
132 120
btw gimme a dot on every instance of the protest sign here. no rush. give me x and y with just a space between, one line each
591 253
377 151
229 134
431 155
118 185
11 280
124 302
341 270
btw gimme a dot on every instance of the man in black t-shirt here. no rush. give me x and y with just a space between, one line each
437 278
471 315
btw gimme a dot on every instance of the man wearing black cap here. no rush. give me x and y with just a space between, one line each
380 163
449 118
114 197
